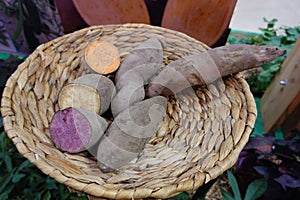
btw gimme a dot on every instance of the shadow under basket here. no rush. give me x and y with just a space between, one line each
200 137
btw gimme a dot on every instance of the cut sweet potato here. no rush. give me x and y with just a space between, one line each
129 132
92 92
75 130
206 67
104 86
102 57
79 96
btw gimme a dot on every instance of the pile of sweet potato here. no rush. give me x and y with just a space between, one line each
137 97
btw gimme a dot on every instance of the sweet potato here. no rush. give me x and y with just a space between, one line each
146 59
206 67
129 132
130 90
102 57
128 95
135 71
130 77
75 130
93 92
104 86
79 96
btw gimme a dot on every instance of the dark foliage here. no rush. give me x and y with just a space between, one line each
273 159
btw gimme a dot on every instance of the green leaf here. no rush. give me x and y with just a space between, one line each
256 189
47 196
226 195
234 185
4 195
17 177
5 180
182 196
51 184
20 22
24 164
7 160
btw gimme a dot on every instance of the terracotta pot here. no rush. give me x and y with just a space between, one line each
104 12
204 20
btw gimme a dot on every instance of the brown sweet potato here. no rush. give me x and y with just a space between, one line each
74 129
135 71
130 89
130 77
128 133
126 96
146 59
93 92
206 67
103 85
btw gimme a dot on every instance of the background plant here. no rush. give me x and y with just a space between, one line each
38 20
276 160
283 37
19 179
255 189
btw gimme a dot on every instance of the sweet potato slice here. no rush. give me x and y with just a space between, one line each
75 130
95 12
204 20
102 57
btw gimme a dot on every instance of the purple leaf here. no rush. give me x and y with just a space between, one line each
290 167
293 145
264 171
246 160
286 180
262 145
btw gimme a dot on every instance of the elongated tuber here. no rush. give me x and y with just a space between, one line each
75 130
135 71
128 133
206 67
126 96
146 59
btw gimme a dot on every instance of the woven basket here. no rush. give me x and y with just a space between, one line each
201 136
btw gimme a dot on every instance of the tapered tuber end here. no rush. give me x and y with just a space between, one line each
265 54
249 56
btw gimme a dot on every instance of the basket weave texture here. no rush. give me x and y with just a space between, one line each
200 137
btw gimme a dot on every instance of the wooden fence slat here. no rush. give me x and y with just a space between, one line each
279 101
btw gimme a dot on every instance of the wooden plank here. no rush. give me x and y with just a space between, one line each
292 124
279 101
288 111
